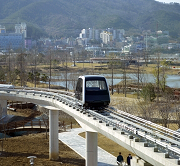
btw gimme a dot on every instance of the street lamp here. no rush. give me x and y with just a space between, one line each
32 159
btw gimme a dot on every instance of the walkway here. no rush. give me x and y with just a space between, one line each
77 143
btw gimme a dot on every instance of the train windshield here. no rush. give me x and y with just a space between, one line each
95 85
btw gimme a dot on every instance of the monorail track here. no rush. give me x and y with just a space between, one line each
153 135
166 140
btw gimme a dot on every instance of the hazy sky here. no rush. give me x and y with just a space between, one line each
168 1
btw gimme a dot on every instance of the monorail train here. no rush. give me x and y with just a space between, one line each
92 91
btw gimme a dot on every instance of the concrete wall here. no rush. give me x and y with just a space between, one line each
136 161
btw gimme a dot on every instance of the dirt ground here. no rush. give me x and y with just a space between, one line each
17 149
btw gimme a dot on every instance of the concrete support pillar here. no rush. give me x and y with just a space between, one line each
91 149
53 134
3 108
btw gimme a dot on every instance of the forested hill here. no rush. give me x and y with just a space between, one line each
64 17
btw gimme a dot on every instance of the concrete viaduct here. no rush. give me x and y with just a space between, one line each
145 155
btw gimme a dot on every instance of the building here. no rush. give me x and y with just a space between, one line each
28 43
118 34
21 28
90 34
2 29
14 40
106 37
11 41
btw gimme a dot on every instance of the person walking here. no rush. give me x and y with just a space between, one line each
120 159
129 157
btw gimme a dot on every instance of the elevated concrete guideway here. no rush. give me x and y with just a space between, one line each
90 124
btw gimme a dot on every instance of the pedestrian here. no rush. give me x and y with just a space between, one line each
129 157
120 159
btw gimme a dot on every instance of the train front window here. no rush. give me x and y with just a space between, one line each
95 85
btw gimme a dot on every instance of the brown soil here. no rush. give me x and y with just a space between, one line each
16 149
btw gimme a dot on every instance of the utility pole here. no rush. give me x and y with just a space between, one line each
21 67
158 78
124 72
125 78
35 71
9 66
112 89
66 71
111 63
74 59
138 80
158 69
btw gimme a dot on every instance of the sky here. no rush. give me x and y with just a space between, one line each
168 1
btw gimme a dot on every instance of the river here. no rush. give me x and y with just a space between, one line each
172 81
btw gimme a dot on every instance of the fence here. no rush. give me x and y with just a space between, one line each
24 125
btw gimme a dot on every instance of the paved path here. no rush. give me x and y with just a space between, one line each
77 143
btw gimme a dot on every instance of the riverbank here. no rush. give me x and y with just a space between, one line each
58 75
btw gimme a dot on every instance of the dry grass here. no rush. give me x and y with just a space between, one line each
17 149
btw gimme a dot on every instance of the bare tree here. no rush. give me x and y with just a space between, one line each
146 57
72 80
147 109
112 63
2 74
177 114
126 105
21 68
45 119
165 108
124 77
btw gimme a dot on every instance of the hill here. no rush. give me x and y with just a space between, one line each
68 17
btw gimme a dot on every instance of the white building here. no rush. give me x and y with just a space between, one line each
97 34
2 29
21 28
117 34
106 37
90 34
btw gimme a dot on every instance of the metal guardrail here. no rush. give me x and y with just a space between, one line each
140 131
41 124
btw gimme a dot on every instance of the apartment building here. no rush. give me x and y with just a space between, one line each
106 37
14 40
90 34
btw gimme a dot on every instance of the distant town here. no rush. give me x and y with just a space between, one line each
100 42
